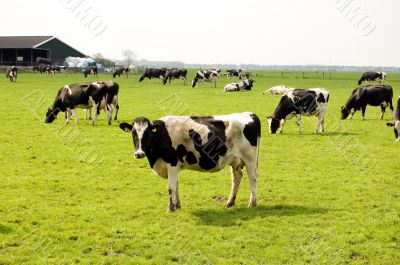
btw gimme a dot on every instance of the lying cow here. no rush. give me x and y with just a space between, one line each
205 76
308 102
244 85
92 70
396 123
175 74
206 144
151 73
278 90
373 76
120 71
87 96
380 95
12 73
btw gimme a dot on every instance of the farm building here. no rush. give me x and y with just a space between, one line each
24 50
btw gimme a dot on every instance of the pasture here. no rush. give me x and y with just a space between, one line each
74 194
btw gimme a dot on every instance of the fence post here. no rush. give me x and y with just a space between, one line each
282 74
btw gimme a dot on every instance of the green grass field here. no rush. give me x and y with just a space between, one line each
74 194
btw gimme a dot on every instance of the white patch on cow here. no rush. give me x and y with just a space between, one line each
140 128
96 84
68 89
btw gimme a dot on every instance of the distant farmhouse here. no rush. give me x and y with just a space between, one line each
24 50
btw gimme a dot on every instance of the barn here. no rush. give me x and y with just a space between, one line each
24 50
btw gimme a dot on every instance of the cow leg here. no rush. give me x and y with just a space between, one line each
391 106
320 123
74 114
252 172
383 110
236 175
352 114
116 110
298 121
68 112
363 108
397 130
178 200
109 113
172 187
282 124
95 108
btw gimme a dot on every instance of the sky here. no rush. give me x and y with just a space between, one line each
284 32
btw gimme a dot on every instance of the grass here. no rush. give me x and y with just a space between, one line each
74 194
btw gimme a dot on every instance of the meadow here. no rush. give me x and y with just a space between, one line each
74 194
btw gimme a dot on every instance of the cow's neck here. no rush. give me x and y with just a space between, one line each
282 111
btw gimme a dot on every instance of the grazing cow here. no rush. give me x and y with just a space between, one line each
380 95
373 76
12 73
396 123
175 74
278 90
95 95
60 69
205 75
232 73
244 85
119 71
91 70
41 68
206 144
308 102
151 73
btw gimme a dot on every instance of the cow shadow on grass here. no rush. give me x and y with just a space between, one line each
233 217
4 229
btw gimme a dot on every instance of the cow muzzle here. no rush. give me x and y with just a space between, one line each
139 155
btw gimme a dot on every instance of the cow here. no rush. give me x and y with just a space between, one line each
278 90
41 68
244 85
120 71
12 73
373 76
206 144
232 73
380 95
205 75
60 69
95 95
151 73
243 74
308 102
91 70
396 123
175 74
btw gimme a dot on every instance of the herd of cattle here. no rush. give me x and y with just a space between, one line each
210 143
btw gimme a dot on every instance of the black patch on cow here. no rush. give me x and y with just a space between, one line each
190 158
214 147
321 98
252 130
160 145
181 152
304 101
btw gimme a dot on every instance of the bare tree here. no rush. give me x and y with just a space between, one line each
129 56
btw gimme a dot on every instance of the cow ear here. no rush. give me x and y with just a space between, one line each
126 127
155 127
342 108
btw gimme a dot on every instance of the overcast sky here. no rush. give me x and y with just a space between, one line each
328 32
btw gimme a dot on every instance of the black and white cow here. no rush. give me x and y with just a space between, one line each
308 102
60 69
232 73
120 71
373 76
151 73
91 70
206 144
380 95
12 73
396 123
205 76
243 74
97 95
175 74
244 85
41 68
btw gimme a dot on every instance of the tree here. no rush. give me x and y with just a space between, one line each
99 58
129 56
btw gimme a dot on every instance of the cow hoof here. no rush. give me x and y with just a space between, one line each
229 204
109 123
170 209
252 204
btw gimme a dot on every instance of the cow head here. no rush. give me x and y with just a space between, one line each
345 112
51 115
142 130
273 124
